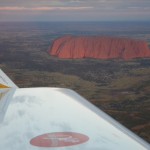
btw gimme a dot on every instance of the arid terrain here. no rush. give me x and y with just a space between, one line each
120 88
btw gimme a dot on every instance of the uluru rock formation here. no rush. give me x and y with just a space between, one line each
99 47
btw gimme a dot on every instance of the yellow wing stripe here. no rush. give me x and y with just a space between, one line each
3 86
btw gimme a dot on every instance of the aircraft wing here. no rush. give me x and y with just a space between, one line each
7 88
56 118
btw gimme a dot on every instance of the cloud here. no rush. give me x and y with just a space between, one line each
78 9
99 4
43 8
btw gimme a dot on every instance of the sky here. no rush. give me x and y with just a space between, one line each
74 10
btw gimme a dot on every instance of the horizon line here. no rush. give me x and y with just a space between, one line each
76 21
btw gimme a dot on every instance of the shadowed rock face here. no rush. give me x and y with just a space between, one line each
98 47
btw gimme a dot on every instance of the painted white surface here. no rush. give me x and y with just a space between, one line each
35 111
5 100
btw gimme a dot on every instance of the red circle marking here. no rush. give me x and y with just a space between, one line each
59 139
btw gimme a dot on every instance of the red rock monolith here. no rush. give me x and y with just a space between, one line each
73 47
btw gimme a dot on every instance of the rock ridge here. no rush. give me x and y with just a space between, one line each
75 47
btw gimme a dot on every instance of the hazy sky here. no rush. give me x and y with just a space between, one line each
74 10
